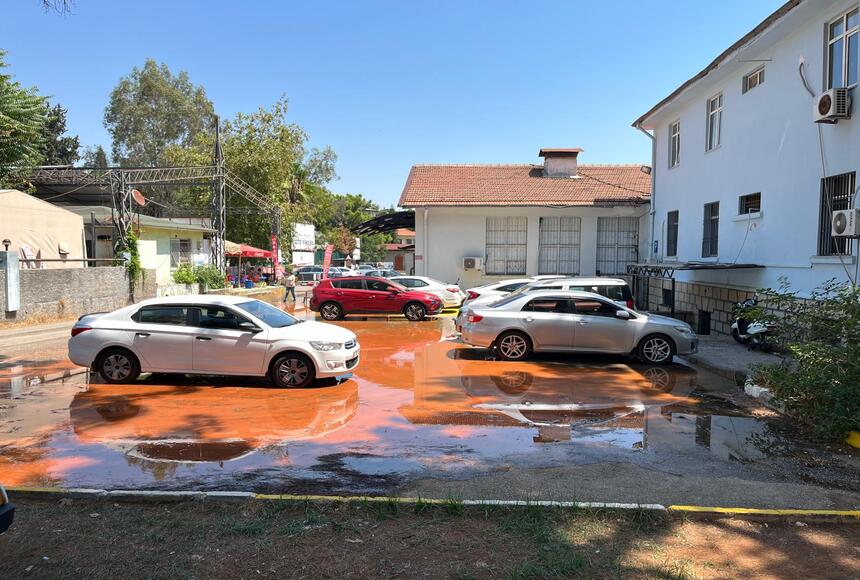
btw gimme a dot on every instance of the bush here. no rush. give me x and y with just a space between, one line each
820 383
184 274
210 277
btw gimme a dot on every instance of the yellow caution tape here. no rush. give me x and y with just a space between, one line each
764 511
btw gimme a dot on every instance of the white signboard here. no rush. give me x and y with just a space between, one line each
303 258
304 238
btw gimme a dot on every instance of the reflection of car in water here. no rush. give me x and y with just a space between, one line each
187 423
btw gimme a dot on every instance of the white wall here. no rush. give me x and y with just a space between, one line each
769 145
453 233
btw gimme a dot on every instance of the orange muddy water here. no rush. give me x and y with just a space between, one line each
420 404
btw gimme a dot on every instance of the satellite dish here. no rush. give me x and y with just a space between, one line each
138 197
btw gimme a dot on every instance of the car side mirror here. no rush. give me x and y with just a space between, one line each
249 327
394 290
622 314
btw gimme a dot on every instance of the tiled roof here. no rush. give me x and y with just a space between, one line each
524 185
404 232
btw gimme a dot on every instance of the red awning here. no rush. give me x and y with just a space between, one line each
232 250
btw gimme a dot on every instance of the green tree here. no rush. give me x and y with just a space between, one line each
22 118
95 157
57 148
152 109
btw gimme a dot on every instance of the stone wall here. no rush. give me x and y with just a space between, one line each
71 292
693 300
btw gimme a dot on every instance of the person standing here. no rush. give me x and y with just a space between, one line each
290 283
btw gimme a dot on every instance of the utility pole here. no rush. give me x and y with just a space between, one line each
219 205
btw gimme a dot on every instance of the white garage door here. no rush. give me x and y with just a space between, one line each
617 244
559 245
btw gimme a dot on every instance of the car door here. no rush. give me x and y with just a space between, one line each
598 328
550 322
381 298
351 295
222 346
162 338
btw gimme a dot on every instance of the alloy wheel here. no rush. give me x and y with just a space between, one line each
513 346
293 371
117 367
331 311
657 349
414 312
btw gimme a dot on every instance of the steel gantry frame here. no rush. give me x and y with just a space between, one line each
119 181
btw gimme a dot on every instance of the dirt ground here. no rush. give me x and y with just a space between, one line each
98 539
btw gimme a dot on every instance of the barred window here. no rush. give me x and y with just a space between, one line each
837 192
506 245
559 245
617 244
180 252
749 203
711 230
672 233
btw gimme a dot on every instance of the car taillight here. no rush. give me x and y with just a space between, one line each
76 330
453 290
475 318
630 304
473 294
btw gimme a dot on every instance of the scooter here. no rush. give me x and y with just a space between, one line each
752 332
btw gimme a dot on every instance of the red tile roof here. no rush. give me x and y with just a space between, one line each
405 232
524 185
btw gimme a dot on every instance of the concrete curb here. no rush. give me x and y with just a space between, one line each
852 516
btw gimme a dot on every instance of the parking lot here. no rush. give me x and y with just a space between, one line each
422 415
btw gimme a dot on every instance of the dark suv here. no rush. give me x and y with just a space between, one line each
334 299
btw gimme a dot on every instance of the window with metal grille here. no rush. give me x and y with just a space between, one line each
180 252
672 233
842 35
558 249
713 133
711 230
506 245
674 144
837 192
750 203
617 244
752 80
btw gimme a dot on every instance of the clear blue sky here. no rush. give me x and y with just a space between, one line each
391 83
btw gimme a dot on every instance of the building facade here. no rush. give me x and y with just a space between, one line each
743 175
477 223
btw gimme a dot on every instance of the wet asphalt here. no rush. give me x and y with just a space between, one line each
422 414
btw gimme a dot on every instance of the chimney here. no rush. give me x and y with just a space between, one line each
559 162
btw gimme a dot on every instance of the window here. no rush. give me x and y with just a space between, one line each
506 245
617 244
674 144
711 230
668 297
715 122
511 287
617 293
274 317
748 204
216 317
837 192
594 307
180 252
378 286
559 305
842 51
177 315
348 284
752 80
559 245
412 282
672 233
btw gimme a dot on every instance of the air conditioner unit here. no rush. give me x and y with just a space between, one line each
832 105
473 263
845 223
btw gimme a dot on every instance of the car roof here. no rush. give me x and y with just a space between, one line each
561 294
220 299
598 281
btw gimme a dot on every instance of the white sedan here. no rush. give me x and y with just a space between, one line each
450 294
211 335
495 289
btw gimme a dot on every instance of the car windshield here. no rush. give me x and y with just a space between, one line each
274 317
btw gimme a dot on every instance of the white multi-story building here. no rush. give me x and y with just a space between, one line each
742 173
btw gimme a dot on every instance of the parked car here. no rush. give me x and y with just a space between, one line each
363 268
495 290
567 321
307 274
336 298
341 272
7 511
451 295
211 335
383 273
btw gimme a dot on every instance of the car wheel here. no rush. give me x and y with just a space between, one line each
331 311
293 369
513 382
656 349
415 311
659 379
513 346
117 366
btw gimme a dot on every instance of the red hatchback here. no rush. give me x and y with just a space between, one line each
334 299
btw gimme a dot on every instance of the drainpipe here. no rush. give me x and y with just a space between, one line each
653 212
426 240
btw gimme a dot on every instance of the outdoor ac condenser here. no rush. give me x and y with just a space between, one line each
473 263
832 105
846 223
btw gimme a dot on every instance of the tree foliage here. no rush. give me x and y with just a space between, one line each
95 157
152 109
22 119
57 148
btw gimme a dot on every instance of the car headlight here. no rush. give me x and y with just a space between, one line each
684 330
325 345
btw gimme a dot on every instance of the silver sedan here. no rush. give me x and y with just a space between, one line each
567 321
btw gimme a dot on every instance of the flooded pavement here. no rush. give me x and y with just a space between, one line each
421 414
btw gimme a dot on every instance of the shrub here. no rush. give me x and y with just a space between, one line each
210 277
184 274
820 383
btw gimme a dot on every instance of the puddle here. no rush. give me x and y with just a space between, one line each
419 405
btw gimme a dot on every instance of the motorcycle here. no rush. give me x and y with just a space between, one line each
751 332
